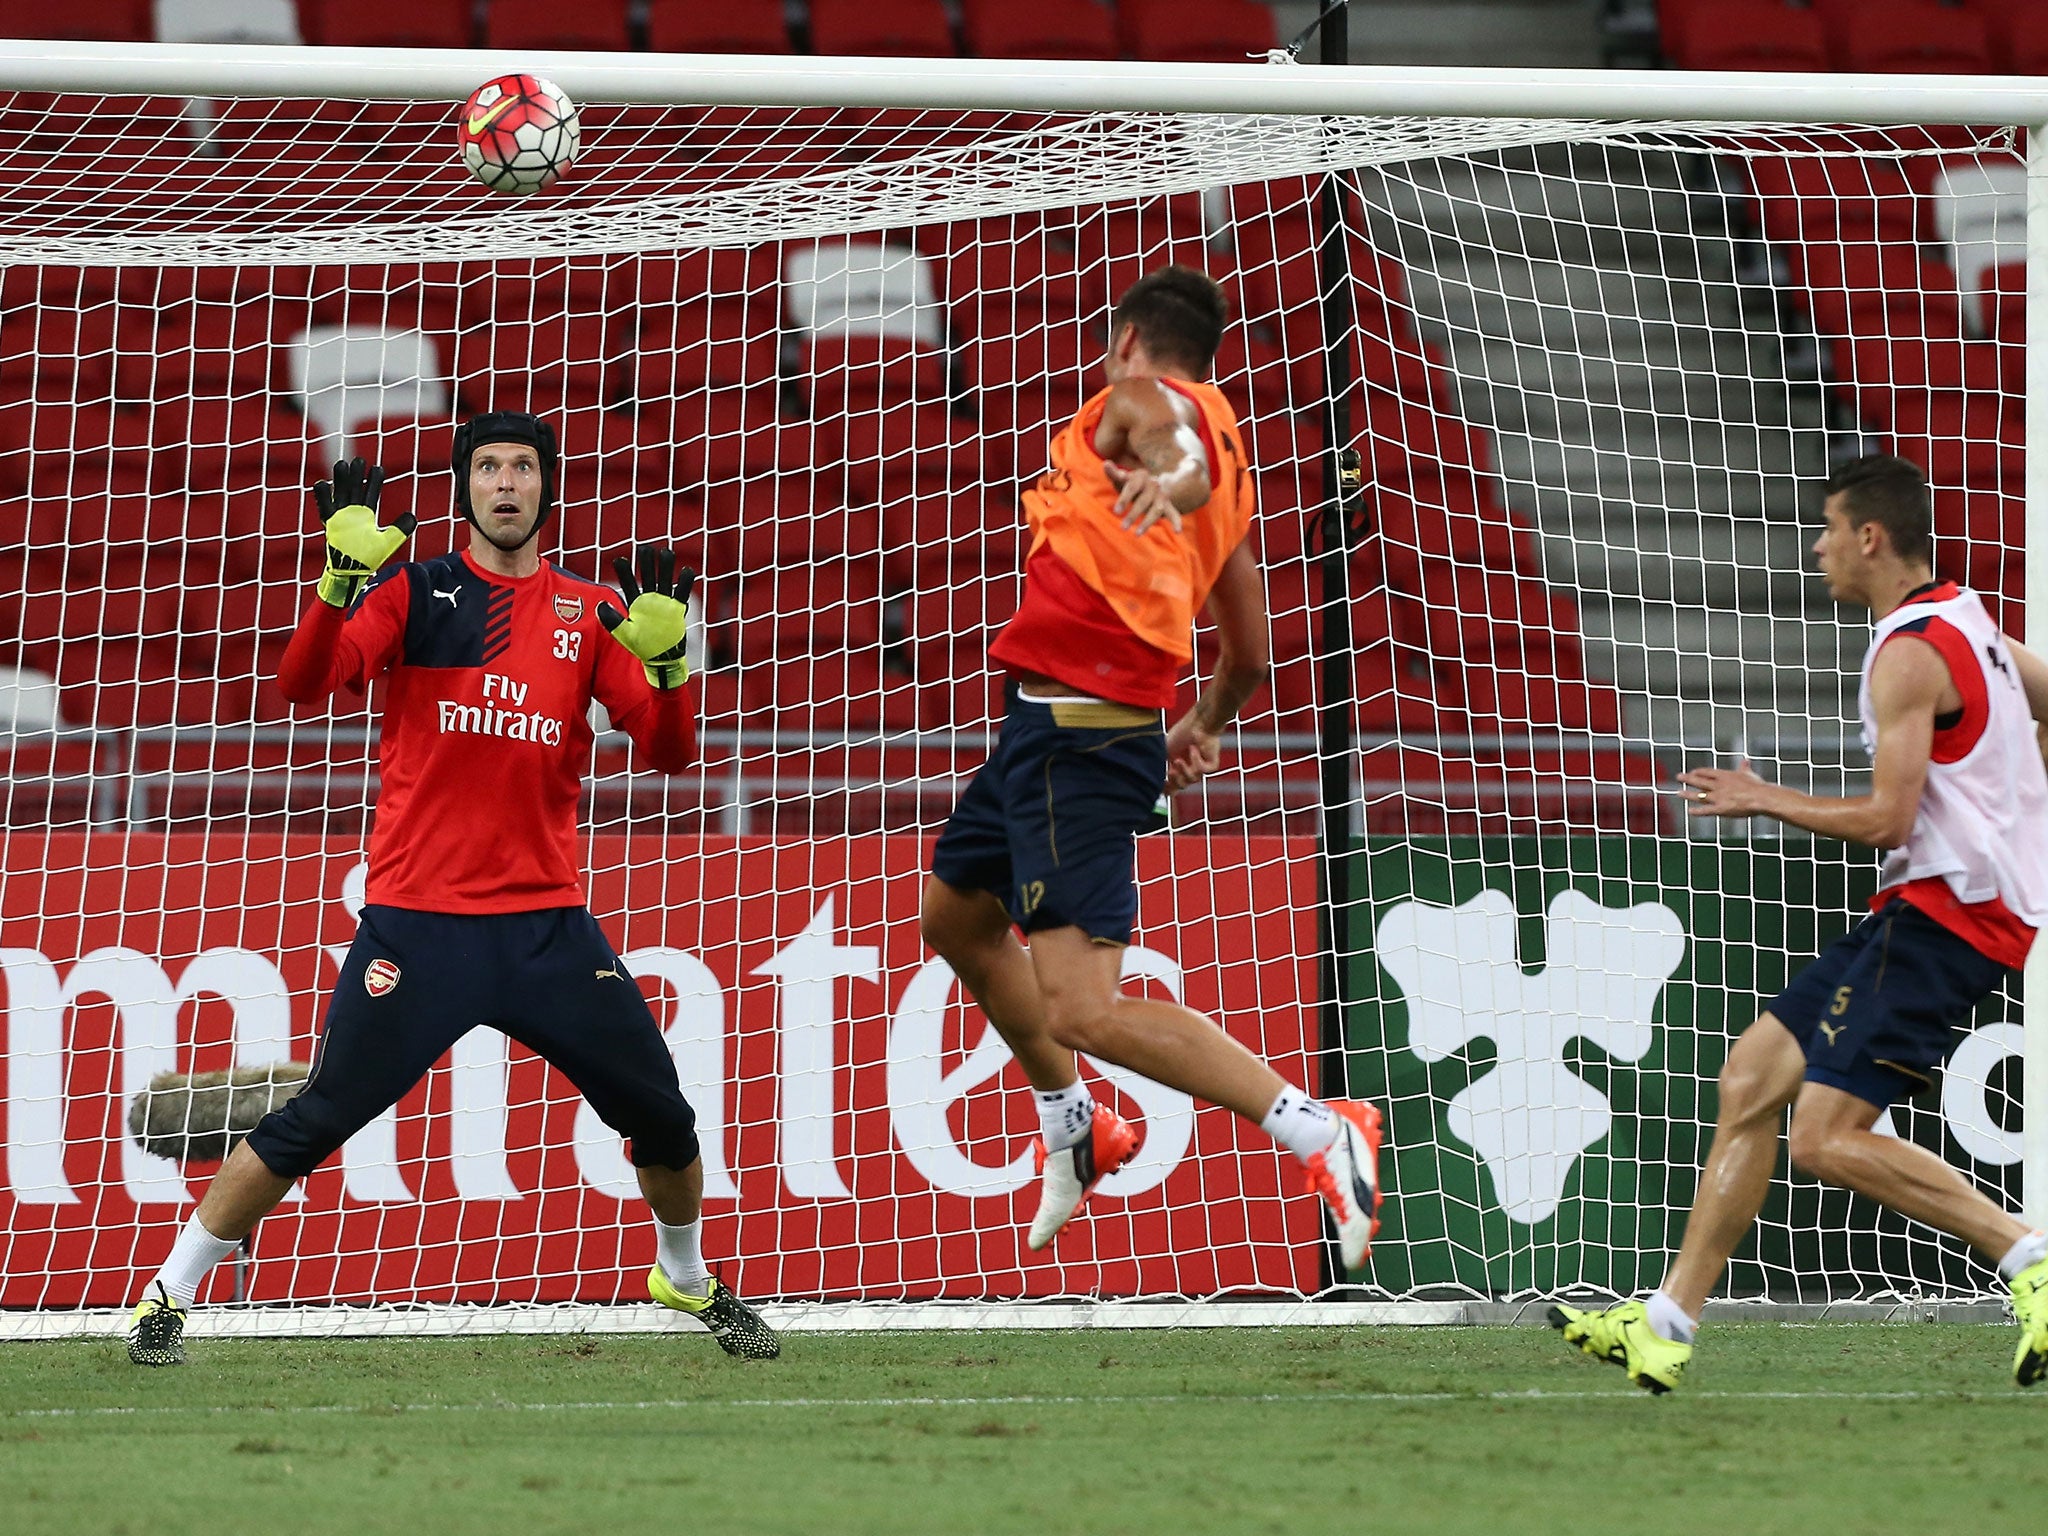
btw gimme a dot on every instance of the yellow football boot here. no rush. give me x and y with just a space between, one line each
1623 1336
737 1326
2030 1306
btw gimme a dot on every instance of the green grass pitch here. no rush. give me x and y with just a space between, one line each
1781 1428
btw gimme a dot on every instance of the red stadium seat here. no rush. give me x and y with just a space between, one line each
83 21
892 451
1196 31
865 371
2019 34
598 26
948 537
908 29
1044 29
850 691
760 525
717 26
1510 702
543 364
1840 198
807 610
386 23
1905 36
717 435
942 615
1742 34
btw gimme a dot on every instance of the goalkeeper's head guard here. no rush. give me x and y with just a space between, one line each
505 427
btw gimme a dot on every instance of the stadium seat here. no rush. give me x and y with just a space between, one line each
1845 198
808 609
1904 36
954 610
544 364
951 536
1195 31
2019 36
1002 273
1044 29
346 377
865 371
598 26
1878 292
83 21
387 23
1979 211
717 26
227 21
845 692
59 452
891 451
56 352
717 435
909 29
963 691
758 525
861 287
1742 34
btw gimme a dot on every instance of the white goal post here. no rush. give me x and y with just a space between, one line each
812 320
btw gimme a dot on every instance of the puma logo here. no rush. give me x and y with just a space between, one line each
615 973
1832 1030
449 595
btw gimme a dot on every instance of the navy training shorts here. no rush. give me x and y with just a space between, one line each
1049 822
416 982
1881 1007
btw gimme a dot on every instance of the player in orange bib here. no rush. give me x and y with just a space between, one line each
1140 523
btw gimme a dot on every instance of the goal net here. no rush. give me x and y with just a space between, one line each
1589 376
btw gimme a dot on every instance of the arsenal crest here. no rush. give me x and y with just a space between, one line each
568 609
379 977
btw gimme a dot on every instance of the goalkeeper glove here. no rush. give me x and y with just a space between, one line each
657 614
356 546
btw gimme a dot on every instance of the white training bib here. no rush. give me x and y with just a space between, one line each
1983 820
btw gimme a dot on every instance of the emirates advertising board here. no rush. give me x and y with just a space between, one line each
865 1134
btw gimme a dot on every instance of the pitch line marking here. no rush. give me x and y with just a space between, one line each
1162 1399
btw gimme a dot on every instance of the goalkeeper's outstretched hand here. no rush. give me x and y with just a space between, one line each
657 615
356 546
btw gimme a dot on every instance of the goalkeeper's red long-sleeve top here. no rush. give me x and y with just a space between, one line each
486 732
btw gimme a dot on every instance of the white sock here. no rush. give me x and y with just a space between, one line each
1304 1126
192 1258
681 1254
2028 1251
1668 1319
1065 1116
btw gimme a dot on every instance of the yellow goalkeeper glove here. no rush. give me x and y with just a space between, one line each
657 615
356 546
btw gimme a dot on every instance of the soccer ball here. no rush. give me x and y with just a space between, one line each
518 133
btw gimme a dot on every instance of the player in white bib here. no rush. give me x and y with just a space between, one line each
1959 802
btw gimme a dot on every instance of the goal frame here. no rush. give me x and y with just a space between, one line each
1279 87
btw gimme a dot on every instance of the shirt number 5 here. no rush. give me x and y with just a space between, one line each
568 644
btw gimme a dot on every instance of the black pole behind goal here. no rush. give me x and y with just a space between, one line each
1336 746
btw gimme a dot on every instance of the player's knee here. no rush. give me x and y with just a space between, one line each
960 925
669 1146
1078 1021
1755 1086
1815 1151
293 1140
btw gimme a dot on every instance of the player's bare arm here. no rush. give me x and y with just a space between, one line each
1237 606
1153 454
1909 686
2033 673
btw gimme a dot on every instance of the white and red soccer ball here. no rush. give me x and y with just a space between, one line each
518 133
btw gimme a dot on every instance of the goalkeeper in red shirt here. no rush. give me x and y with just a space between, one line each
475 910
